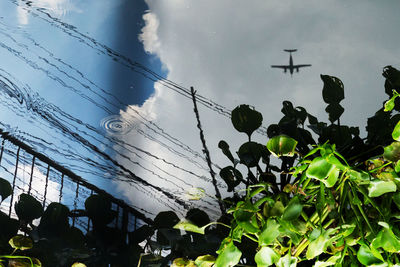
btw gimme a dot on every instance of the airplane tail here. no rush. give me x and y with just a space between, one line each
290 50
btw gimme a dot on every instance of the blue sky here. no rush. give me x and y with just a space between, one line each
222 48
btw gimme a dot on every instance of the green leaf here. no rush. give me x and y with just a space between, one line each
269 233
181 262
333 90
323 171
21 242
205 261
396 199
319 168
389 105
229 255
245 119
378 187
282 145
336 162
266 257
287 261
245 216
318 245
78 264
392 152
276 210
386 239
329 262
5 189
237 233
396 132
365 256
189 226
397 166
332 178
347 229
293 210
28 208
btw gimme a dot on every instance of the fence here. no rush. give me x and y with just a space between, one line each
33 173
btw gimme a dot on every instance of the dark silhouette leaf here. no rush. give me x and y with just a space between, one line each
245 119
231 176
250 154
141 234
5 189
392 81
165 219
54 221
28 208
333 90
198 217
335 110
99 210
225 149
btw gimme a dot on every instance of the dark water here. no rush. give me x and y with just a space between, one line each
72 79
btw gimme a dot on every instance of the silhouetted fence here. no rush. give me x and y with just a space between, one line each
33 173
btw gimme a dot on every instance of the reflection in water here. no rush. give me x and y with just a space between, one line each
115 124
65 132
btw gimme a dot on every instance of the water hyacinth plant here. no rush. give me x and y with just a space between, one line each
334 201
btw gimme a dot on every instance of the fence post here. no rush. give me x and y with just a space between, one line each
15 177
125 219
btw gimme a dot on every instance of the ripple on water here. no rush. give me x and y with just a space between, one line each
115 124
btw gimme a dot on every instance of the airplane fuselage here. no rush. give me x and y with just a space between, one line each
291 64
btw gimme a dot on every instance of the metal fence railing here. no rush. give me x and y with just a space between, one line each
33 173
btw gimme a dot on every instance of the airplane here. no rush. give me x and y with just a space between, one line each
291 67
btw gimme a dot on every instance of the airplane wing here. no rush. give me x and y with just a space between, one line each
280 66
301 66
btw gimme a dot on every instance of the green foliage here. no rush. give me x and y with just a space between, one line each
266 256
57 243
229 254
205 261
333 201
282 145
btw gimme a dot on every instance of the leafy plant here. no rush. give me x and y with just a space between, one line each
332 201
55 242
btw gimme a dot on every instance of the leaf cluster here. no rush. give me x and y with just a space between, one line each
56 242
333 201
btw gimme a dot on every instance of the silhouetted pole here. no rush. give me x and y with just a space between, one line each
206 152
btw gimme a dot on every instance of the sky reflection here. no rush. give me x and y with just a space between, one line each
84 67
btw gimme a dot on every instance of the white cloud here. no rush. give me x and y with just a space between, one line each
225 48
149 36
